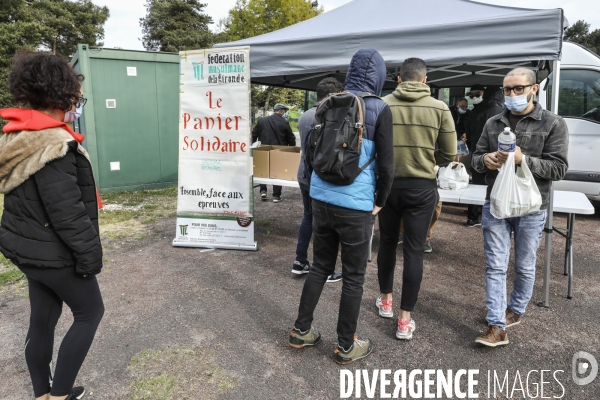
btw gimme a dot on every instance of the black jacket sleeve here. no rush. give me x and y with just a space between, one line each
57 185
256 131
289 135
384 144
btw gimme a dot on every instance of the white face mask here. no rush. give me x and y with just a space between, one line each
71 116
477 100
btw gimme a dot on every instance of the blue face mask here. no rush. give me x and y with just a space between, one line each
285 115
71 116
461 111
517 103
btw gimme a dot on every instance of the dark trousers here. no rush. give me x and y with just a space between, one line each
352 229
415 208
474 211
48 289
276 190
305 231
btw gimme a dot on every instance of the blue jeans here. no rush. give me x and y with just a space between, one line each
496 243
305 231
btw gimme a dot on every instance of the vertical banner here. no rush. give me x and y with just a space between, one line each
214 201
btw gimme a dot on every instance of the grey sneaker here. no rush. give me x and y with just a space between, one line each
276 199
359 349
405 330
299 339
335 277
300 268
263 196
385 308
428 248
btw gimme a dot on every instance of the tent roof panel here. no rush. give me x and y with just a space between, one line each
441 32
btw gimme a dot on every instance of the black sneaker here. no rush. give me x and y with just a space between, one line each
427 248
76 393
335 277
473 222
300 268
400 239
276 199
263 196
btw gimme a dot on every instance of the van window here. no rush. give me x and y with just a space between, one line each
579 94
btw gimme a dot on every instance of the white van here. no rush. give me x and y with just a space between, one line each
579 105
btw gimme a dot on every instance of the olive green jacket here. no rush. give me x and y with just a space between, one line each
420 122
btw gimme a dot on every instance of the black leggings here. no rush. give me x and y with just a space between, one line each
415 208
48 289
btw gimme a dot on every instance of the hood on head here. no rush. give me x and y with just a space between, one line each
366 72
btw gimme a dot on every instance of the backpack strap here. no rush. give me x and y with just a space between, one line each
363 95
367 164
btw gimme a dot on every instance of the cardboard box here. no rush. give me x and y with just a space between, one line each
261 157
284 163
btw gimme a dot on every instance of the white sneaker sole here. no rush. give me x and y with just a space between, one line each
488 344
404 336
299 272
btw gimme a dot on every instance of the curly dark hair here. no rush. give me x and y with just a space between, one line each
43 81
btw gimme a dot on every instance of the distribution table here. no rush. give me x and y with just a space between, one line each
570 203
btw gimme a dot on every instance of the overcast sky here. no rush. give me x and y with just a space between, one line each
123 29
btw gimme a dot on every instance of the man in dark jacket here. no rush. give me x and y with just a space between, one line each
459 112
274 130
542 143
301 265
491 104
344 215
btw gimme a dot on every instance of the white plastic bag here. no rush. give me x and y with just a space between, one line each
514 193
453 177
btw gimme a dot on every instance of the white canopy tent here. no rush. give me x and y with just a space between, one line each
463 42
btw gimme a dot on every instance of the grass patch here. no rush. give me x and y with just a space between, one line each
9 273
127 213
263 222
166 374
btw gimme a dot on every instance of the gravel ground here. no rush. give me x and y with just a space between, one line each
235 309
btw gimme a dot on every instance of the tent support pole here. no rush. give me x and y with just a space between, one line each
548 229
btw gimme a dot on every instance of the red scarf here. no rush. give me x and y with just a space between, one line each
26 119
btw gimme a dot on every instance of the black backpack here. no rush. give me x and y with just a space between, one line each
335 139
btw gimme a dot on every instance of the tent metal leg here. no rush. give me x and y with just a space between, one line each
570 226
371 243
548 250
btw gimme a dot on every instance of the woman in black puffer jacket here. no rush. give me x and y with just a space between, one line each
49 227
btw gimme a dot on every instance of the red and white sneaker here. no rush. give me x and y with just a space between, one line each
405 329
385 308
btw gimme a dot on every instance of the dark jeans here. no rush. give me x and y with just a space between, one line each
474 211
48 289
276 190
352 229
305 231
415 208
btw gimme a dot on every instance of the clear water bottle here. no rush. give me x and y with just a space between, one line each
507 140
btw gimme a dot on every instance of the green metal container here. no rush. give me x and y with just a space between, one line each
130 121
